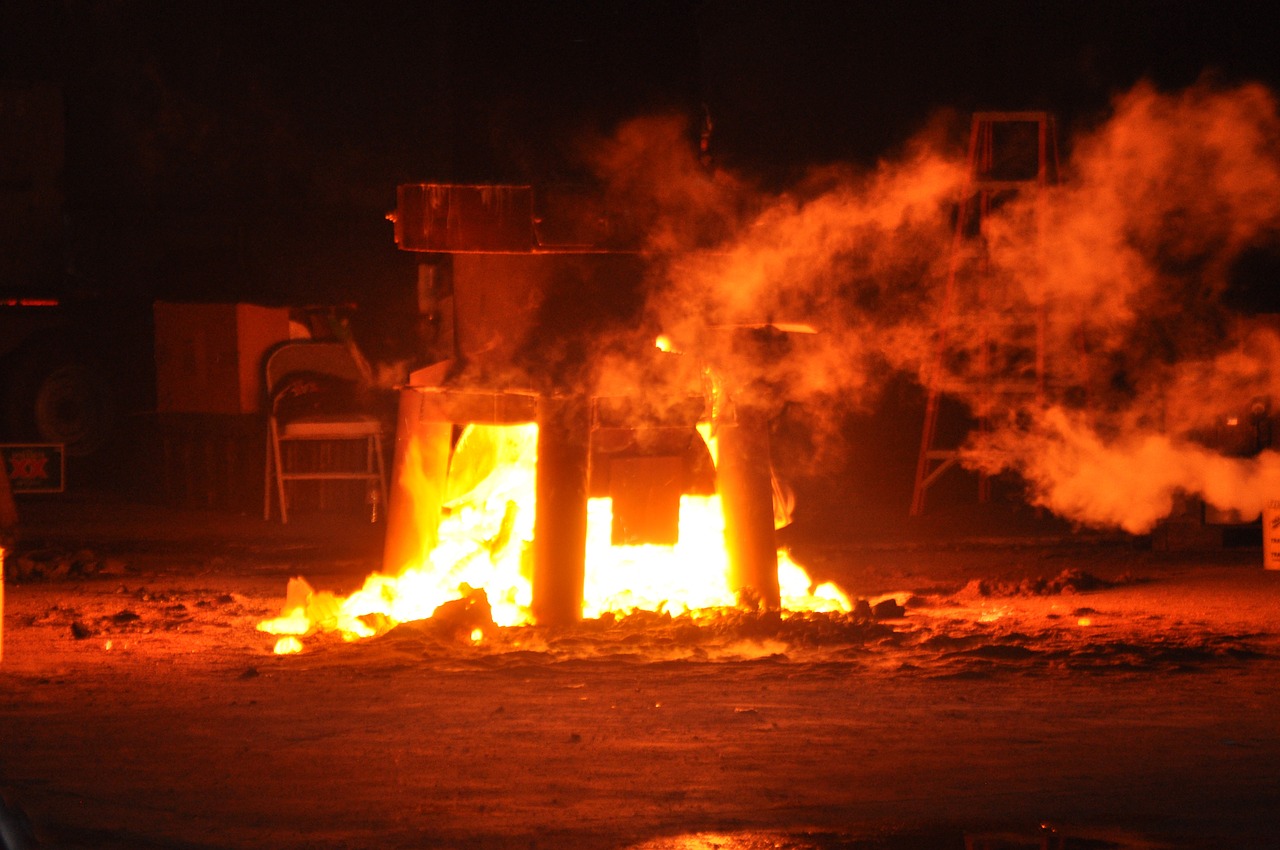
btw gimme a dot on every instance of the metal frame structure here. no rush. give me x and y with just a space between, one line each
989 387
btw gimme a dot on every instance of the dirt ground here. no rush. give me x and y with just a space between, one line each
1038 680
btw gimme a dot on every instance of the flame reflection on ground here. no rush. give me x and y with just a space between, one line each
1022 838
746 840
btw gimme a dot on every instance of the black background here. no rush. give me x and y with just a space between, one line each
250 150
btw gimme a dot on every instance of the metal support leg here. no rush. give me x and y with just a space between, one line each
280 489
266 484
418 475
746 492
560 525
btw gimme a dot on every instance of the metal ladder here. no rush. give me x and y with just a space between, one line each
997 169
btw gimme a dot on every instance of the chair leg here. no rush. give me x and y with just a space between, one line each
382 473
280 489
266 484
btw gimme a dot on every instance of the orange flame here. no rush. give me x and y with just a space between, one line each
485 541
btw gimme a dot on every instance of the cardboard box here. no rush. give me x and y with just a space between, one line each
209 356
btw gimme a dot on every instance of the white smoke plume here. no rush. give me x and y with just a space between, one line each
1130 256
1126 259
1130 480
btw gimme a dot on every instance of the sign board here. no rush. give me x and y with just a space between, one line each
35 467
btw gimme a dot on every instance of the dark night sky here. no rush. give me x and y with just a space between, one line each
250 150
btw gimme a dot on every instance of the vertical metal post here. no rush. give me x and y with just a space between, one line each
560 524
418 477
744 479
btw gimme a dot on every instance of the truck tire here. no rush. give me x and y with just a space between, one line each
55 397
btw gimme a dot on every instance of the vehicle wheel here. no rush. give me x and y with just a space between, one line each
61 400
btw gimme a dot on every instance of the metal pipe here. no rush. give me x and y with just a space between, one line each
743 477
560 524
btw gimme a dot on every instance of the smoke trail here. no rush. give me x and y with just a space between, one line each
1127 259
1128 481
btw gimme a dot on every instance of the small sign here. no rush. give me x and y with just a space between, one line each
35 467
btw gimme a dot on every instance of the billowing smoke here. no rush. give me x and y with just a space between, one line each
1130 257
811 295
1129 480
1116 274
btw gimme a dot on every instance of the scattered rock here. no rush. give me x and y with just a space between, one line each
29 566
249 673
51 564
461 617
862 610
888 609
575 738
1067 582
80 631
125 616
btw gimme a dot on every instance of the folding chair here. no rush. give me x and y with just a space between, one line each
305 385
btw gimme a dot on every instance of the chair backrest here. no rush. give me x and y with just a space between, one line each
324 358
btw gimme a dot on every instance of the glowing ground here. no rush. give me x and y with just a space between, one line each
1126 697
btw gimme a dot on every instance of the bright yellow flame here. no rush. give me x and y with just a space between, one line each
485 541
663 343
293 622
288 646
688 576
800 594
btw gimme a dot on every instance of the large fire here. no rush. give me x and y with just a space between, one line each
1128 259
485 543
